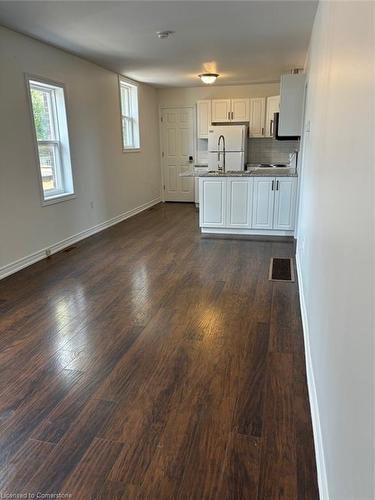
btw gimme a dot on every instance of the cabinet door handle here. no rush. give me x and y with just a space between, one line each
232 115
228 115
271 128
277 185
262 130
273 184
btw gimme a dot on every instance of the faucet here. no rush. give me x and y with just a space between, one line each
222 168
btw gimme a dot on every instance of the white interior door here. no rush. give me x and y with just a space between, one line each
177 146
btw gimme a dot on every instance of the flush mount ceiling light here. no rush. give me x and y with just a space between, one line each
208 77
164 34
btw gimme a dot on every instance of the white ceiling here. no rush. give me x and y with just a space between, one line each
248 41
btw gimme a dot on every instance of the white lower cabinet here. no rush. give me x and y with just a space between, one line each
256 205
274 203
285 203
212 204
239 202
263 203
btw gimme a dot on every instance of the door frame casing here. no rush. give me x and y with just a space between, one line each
161 109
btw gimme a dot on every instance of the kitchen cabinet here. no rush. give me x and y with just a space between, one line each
212 206
240 110
230 110
261 115
239 202
285 203
292 95
203 118
221 109
274 201
273 106
263 202
257 111
247 205
257 116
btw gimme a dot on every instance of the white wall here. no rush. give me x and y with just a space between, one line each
190 95
336 241
115 181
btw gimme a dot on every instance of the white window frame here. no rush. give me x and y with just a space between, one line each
133 117
60 140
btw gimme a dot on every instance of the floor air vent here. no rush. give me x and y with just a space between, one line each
281 270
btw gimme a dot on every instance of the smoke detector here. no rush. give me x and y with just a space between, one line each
164 34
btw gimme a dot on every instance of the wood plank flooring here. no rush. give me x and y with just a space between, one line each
150 363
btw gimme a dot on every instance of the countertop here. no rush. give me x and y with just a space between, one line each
264 172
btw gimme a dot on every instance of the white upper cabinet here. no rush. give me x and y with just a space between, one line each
203 118
257 112
273 106
261 115
230 110
292 94
221 110
240 110
285 203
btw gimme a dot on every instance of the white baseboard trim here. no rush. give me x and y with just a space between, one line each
17 265
250 232
318 440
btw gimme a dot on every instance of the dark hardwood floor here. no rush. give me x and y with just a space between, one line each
147 362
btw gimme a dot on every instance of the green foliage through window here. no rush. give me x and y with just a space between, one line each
41 115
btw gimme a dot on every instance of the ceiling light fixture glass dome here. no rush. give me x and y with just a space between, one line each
208 78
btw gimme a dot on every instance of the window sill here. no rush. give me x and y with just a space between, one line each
131 150
58 199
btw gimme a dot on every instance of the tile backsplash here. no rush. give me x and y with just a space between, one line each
268 150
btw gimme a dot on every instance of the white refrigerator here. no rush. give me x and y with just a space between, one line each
235 137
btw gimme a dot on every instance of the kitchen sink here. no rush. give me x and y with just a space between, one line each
271 170
228 173
271 165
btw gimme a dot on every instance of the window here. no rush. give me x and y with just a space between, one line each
52 142
129 115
